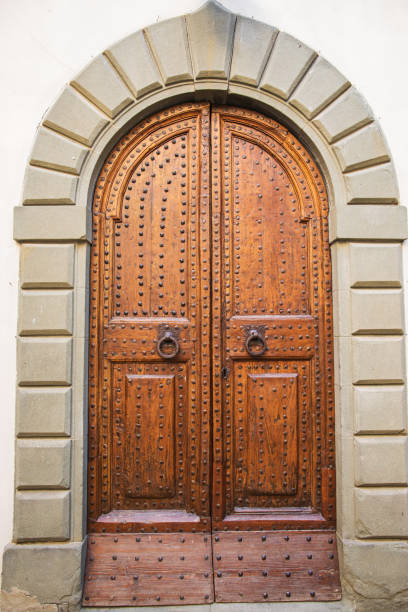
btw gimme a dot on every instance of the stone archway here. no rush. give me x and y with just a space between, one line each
253 63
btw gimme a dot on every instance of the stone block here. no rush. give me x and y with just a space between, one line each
382 512
169 44
376 570
100 83
320 86
345 115
73 116
45 313
368 222
133 61
210 32
57 153
21 601
375 265
43 412
52 223
46 265
366 147
43 464
381 460
380 409
247 67
377 312
41 516
377 185
49 572
378 360
43 361
287 64
43 186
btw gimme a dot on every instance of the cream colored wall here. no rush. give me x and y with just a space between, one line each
44 44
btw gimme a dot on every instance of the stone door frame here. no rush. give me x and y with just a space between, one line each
250 64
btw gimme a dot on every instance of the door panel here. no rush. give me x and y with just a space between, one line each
210 369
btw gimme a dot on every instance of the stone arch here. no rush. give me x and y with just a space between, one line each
217 55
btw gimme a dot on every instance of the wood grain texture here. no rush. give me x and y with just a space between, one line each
211 402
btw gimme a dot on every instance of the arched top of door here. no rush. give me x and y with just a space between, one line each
211 54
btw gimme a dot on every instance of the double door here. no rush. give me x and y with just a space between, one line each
211 417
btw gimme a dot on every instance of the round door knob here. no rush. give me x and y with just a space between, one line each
167 345
255 343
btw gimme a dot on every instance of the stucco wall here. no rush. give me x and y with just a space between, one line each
47 43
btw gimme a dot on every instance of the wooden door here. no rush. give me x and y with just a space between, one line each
210 401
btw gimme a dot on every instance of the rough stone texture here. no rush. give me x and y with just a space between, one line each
376 571
377 312
382 512
21 601
378 360
375 265
210 31
51 223
100 83
57 152
287 64
366 147
43 412
380 409
43 464
132 59
45 313
51 573
48 187
46 265
320 86
345 115
368 222
44 361
168 41
372 185
249 34
73 116
41 516
381 460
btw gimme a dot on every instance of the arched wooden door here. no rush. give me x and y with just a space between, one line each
211 417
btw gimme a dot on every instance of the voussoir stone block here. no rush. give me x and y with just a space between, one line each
320 86
210 31
380 409
345 115
133 61
381 460
372 185
43 412
168 41
368 222
43 361
375 265
376 312
45 313
382 512
42 515
287 64
43 186
46 265
366 147
73 116
249 35
52 223
100 83
378 360
43 464
51 150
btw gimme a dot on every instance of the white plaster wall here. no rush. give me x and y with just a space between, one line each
44 43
